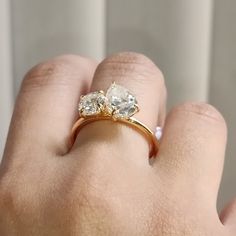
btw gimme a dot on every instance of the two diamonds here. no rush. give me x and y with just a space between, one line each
118 102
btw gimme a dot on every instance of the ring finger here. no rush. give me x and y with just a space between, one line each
144 80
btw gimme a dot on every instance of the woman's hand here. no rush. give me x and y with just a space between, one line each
105 184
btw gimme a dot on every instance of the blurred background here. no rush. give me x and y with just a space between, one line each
193 42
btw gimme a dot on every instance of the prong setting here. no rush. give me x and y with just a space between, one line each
118 103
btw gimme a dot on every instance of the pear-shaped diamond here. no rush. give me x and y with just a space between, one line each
92 104
122 103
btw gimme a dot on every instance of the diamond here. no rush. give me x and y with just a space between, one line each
122 103
92 104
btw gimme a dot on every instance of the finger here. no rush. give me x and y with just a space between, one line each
191 154
46 105
143 79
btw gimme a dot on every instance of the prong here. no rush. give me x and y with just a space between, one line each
113 84
110 112
137 107
101 91
80 113
81 96
114 118
113 112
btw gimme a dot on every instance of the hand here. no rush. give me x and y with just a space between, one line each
105 184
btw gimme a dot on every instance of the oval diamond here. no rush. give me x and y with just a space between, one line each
92 104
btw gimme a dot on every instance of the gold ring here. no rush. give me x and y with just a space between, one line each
117 105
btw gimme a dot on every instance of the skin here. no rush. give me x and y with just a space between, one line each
105 185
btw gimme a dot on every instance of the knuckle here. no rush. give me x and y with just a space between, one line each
204 110
55 71
132 65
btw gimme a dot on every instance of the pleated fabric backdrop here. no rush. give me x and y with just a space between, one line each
193 42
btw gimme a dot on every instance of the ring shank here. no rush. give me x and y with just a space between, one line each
131 122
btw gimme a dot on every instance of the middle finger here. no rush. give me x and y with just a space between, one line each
144 80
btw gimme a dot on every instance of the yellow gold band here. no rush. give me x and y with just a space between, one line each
132 122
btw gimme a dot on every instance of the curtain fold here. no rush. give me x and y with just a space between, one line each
223 86
6 94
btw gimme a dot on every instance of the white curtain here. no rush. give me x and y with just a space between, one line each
193 42
6 79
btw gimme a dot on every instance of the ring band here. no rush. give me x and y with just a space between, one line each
131 122
117 105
